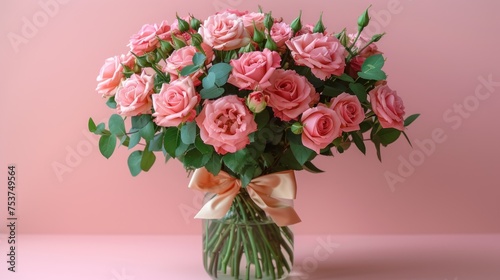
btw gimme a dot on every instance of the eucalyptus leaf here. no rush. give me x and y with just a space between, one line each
134 162
188 132
116 125
148 159
171 140
107 144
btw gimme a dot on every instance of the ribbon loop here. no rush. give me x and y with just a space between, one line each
267 191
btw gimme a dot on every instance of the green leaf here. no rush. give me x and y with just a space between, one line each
209 81
388 135
365 125
375 74
374 62
309 166
100 129
377 147
262 119
247 175
171 140
202 147
332 91
134 162
221 71
188 70
372 68
116 125
195 159
135 138
411 119
236 161
358 141
141 121
290 162
91 125
199 59
148 131
301 153
214 164
124 140
157 143
407 139
360 91
111 102
344 77
181 149
147 160
107 144
210 93
188 132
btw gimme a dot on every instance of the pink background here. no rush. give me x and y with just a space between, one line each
437 52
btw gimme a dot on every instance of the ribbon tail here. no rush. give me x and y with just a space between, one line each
281 213
217 207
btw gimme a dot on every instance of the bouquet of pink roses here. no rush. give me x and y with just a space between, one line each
246 95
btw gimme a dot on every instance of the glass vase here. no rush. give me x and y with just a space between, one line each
246 243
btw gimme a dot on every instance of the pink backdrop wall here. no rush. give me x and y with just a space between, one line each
439 55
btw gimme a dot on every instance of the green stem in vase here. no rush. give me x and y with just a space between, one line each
229 250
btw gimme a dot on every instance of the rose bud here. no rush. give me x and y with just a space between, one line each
257 101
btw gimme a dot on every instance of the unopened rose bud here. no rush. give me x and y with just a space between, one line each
196 39
258 36
151 57
257 101
270 44
319 27
178 43
377 37
247 48
297 128
165 47
363 20
195 23
142 61
183 25
268 21
296 24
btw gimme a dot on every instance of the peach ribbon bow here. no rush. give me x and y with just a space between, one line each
265 191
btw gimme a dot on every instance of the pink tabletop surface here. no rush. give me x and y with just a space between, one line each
146 257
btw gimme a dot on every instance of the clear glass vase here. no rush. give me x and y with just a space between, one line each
246 243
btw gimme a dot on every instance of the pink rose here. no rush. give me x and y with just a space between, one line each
290 94
175 103
144 41
250 18
110 76
321 125
224 31
253 69
257 101
280 33
388 107
163 31
349 110
134 96
183 57
324 54
147 38
357 61
306 29
225 123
